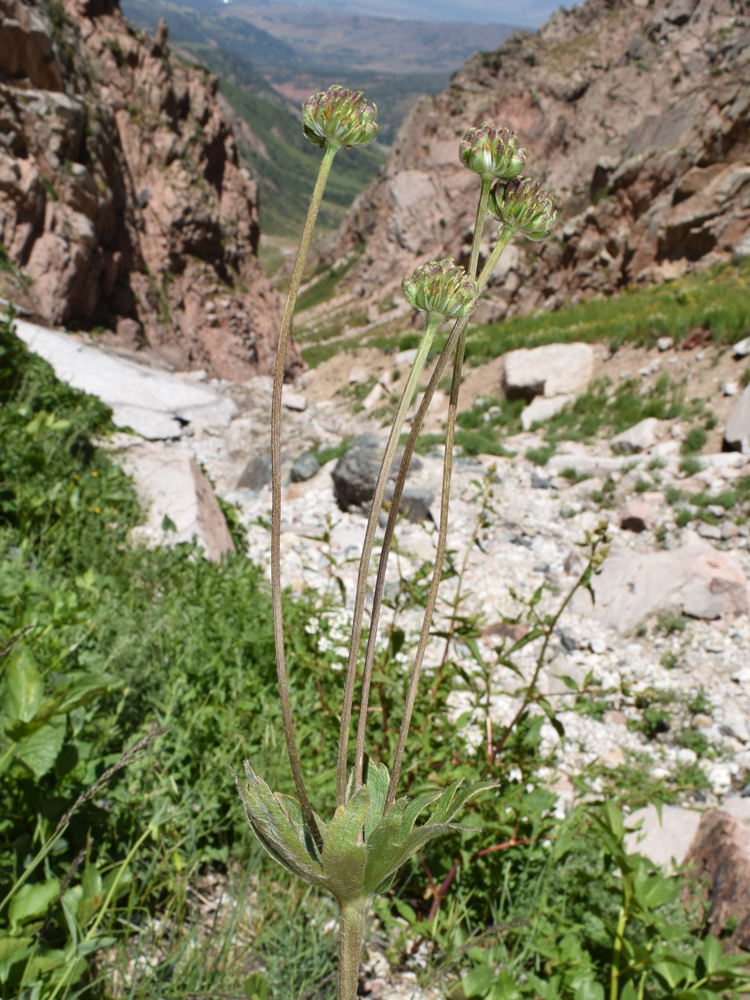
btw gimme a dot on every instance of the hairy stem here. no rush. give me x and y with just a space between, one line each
504 237
364 565
437 572
352 923
278 382
484 197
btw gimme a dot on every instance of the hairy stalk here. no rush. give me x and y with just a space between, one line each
484 197
398 489
364 565
504 237
352 923
278 382
437 573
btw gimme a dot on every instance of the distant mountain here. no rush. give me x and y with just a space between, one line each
298 50
636 116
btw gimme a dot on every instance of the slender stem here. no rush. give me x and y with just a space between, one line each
504 236
531 687
437 572
364 565
377 600
398 423
614 984
278 382
352 923
484 197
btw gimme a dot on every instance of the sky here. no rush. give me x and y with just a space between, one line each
525 13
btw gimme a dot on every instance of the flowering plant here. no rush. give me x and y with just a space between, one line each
356 853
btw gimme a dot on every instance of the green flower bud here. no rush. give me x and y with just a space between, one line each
339 117
442 289
492 153
525 206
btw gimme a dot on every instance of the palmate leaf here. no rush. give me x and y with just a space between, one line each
385 860
455 797
275 831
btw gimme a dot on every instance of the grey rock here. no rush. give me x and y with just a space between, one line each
257 473
540 482
175 492
304 468
541 409
355 474
664 839
737 431
638 438
415 503
664 343
551 370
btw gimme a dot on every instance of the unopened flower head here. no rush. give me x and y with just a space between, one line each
525 205
339 117
493 153
441 289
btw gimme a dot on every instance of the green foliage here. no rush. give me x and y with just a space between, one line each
287 165
717 300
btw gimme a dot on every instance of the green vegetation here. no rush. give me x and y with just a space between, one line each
105 647
286 166
717 301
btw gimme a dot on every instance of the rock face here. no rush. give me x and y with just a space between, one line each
694 580
720 855
637 118
179 500
552 370
122 200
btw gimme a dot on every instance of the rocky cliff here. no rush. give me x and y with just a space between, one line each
636 114
123 205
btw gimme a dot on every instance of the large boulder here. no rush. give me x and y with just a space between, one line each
180 503
719 858
356 472
737 431
551 370
694 580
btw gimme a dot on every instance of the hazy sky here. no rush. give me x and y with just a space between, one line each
528 13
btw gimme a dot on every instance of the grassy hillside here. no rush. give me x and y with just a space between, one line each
286 175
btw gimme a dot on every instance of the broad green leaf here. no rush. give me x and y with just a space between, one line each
82 688
39 751
392 855
271 826
712 953
589 991
477 982
24 688
296 818
32 901
12 950
383 846
344 852
443 810
377 780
